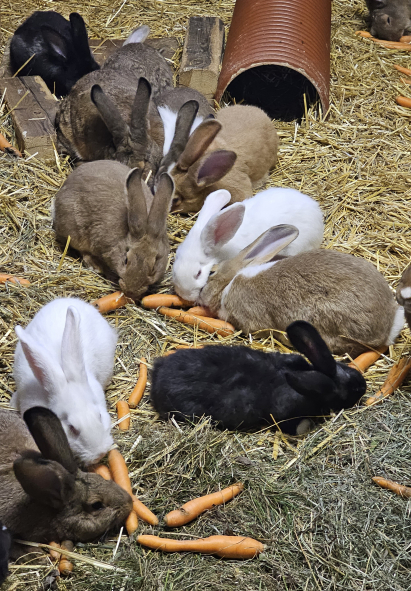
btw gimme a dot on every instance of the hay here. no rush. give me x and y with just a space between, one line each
310 499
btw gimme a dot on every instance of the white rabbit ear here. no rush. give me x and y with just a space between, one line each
139 35
72 359
269 244
213 203
46 370
222 227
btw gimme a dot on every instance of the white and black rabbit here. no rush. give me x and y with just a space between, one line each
58 50
241 388
5 543
44 496
63 361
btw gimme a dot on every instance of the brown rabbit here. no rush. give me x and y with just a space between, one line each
390 19
116 223
234 151
344 297
404 294
44 496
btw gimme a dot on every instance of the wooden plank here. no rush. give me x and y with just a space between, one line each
103 49
203 48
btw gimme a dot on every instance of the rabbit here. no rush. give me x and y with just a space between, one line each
234 151
403 294
5 543
63 361
390 19
44 496
58 50
116 223
241 388
347 300
220 234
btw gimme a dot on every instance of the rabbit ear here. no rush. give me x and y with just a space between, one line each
222 227
215 167
137 207
72 357
79 35
139 35
198 143
46 370
110 115
45 481
311 384
57 44
270 243
160 207
49 435
138 124
306 339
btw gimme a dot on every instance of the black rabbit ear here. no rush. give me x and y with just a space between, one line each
50 437
57 44
306 339
45 481
311 384
110 115
79 35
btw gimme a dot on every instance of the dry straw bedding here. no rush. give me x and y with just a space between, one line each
326 525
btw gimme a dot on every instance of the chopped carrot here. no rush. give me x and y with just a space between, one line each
399 489
403 101
179 347
111 302
365 34
137 393
405 39
393 44
363 361
123 410
209 324
195 507
164 299
65 566
403 70
119 473
224 546
131 523
201 311
7 147
144 512
395 378
102 470
4 277
55 554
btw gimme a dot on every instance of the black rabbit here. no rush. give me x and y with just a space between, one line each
58 49
241 388
5 543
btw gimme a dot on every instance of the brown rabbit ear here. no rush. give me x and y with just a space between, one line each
110 115
45 481
270 243
198 143
215 167
137 207
157 219
138 124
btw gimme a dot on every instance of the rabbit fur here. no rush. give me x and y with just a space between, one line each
241 388
220 234
58 49
44 496
63 361
234 151
389 19
403 294
5 543
347 300
116 223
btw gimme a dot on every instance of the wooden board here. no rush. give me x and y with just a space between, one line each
202 52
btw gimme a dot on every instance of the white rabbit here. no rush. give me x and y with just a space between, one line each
220 235
63 361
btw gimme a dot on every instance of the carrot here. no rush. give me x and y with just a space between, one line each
123 410
164 299
54 554
403 101
393 44
405 80
405 39
399 489
403 70
143 512
65 566
137 393
132 523
195 507
178 347
111 302
395 378
224 546
200 311
365 34
7 147
4 277
209 324
102 470
363 361
120 476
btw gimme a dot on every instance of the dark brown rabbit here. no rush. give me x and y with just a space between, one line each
404 294
389 19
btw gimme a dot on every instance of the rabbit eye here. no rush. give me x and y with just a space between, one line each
74 431
198 275
97 506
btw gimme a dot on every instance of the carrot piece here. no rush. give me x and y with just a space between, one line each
102 470
4 277
403 101
137 393
164 299
195 507
365 34
201 311
118 469
123 410
403 70
223 546
131 523
399 489
365 360
208 324
6 146
189 347
143 512
405 39
65 566
112 301
55 554
395 378
393 44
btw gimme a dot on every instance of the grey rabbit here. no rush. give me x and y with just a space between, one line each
389 19
44 496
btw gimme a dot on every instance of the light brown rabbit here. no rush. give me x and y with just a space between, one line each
234 151
404 294
116 223
344 297
44 496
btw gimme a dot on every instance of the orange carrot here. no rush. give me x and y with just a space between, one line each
201 311
55 554
111 302
399 489
4 277
65 566
7 147
403 70
395 378
102 470
403 101
393 44
164 299
224 546
137 393
363 361
405 39
143 512
189 347
195 507
208 324
365 34
131 523
120 476
123 410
